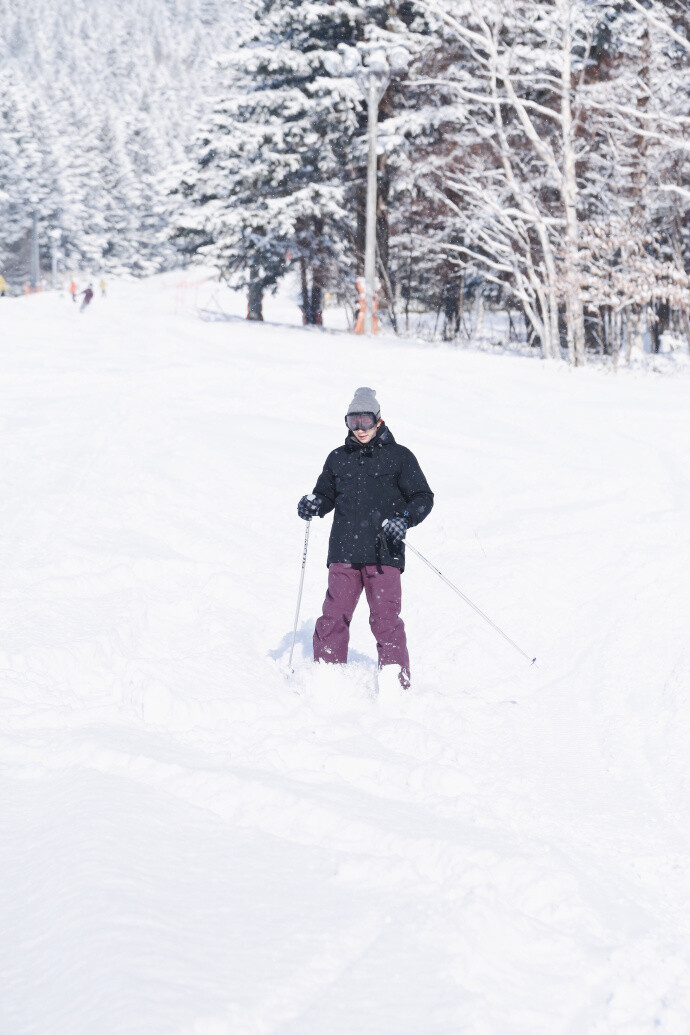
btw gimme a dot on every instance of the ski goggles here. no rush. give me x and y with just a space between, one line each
361 421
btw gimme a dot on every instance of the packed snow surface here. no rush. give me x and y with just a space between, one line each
192 842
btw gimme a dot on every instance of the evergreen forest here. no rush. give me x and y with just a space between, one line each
532 155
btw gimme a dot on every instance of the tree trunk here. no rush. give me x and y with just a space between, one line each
662 311
655 331
616 324
312 300
451 308
479 314
542 327
409 290
305 289
317 282
686 325
608 330
546 293
255 298
575 317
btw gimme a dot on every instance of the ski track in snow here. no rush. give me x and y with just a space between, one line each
190 841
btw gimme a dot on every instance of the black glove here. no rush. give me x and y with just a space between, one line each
394 530
309 506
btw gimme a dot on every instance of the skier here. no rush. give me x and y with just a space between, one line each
3 286
88 295
73 290
369 480
102 287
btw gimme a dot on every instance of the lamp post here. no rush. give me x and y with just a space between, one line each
373 82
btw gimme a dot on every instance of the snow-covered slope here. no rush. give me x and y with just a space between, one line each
191 842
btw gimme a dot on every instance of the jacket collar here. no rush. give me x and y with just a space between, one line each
383 437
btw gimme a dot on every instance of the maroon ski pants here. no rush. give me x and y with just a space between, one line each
381 586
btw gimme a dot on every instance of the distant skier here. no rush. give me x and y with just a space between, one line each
3 286
102 287
367 480
73 290
88 295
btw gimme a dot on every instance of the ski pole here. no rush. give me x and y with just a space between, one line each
299 595
469 602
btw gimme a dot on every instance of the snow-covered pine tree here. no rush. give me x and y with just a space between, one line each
142 70
152 248
30 180
269 184
15 186
228 218
281 163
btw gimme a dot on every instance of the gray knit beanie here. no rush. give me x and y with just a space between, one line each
365 401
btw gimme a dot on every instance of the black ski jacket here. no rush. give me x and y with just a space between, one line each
365 484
